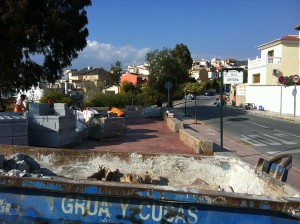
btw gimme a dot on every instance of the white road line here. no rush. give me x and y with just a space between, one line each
293 151
297 136
264 140
256 124
281 140
273 152
252 141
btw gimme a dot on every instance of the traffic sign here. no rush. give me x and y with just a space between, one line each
281 79
233 77
168 85
295 79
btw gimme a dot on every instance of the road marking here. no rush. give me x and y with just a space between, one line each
252 141
293 151
281 140
297 136
257 124
266 139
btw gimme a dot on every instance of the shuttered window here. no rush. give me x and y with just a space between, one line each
256 78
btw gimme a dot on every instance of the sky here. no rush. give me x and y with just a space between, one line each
126 30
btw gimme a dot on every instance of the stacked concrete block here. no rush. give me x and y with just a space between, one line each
55 129
107 128
151 112
13 129
39 109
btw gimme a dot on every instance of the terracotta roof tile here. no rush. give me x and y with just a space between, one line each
290 37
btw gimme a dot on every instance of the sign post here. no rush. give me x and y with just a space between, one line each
281 80
228 76
295 80
168 86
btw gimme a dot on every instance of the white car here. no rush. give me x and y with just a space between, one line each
189 97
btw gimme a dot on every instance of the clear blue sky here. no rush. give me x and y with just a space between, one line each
126 30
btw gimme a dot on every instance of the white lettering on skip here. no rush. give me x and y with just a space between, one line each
88 206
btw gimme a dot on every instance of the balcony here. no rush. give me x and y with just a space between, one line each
262 62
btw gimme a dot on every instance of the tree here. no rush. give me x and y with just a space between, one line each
168 65
116 72
129 87
183 56
50 31
193 88
245 76
215 85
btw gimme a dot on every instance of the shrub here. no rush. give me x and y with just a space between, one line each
57 97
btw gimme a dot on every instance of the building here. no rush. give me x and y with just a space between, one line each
298 28
98 77
278 57
135 79
139 69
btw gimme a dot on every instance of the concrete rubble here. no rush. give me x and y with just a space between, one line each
21 165
105 174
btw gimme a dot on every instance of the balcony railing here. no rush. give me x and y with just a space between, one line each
261 62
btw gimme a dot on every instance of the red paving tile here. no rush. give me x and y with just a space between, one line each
144 135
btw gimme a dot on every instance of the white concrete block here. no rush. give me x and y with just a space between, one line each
60 106
38 109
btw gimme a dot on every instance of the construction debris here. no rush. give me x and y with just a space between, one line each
21 165
105 174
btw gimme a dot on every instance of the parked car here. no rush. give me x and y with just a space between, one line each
189 97
209 93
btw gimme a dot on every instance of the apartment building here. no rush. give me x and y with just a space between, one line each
278 57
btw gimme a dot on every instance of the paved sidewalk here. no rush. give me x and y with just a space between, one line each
144 135
246 153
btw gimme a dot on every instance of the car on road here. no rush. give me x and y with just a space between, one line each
209 93
189 97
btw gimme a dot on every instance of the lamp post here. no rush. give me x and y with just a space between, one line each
185 104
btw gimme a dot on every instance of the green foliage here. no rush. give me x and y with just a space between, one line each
128 87
53 30
193 88
208 85
289 81
183 56
116 72
91 91
56 97
142 98
116 100
245 76
216 85
168 65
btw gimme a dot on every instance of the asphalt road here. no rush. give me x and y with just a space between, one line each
267 135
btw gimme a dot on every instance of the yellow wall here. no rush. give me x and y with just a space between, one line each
203 75
289 64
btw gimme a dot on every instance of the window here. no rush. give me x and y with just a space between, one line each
271 53
256 78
